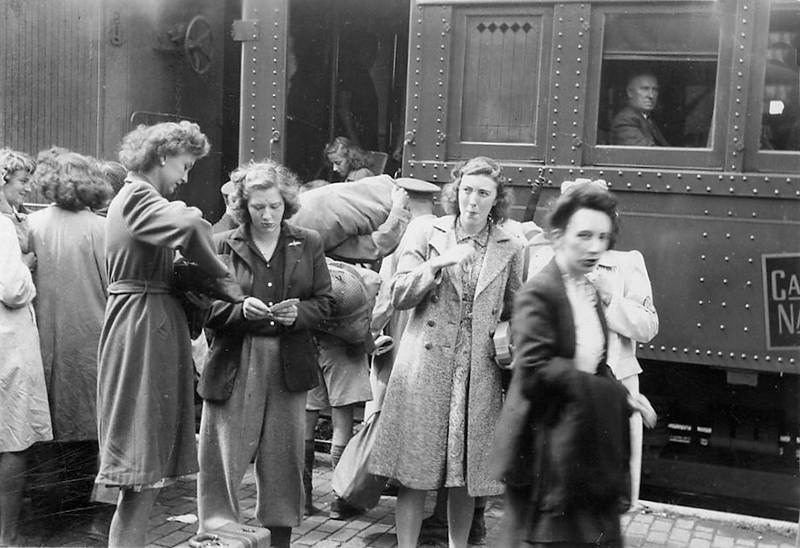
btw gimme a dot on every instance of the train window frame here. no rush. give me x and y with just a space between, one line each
756 159
459 148
709 157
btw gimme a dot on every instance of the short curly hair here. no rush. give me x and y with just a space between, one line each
585 196
356 157
264 175
12 161
141 149
480 165
73 181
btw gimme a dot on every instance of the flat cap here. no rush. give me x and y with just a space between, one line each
228 188
417 185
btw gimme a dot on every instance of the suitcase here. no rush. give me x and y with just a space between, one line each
231 535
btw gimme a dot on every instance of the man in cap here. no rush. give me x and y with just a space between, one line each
227 221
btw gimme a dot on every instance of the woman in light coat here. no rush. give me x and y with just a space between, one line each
24 413
458 275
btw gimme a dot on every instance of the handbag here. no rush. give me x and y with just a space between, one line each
352 480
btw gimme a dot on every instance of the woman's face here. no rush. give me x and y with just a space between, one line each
18 184
266 211
173 173
477 195
339 163
583 241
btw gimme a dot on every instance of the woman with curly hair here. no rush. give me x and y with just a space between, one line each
145 404
347 159
458 276
68 239
16 171
262 361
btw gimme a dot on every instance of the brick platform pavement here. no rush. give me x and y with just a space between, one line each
653 525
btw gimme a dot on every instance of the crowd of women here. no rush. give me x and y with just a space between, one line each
111 358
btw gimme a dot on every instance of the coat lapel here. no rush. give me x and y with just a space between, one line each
295 245
498 253
442 239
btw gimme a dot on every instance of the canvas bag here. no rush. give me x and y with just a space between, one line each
352 480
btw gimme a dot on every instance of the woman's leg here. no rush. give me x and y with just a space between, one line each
342 419
408 516
12 484
129 524
637 435
460 509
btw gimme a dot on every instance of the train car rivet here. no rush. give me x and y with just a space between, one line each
688 188
702 258
748 283
669 187
708 352
727 259
731 190
732 354
705 234
708 189
728 235
724 304
679 175
747 307
746 330
663 348
780 359
674 349
685 350
791 360
702 279
722 327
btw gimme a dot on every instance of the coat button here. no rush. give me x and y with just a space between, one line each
428 345
491 333
431 323
435 298
494 311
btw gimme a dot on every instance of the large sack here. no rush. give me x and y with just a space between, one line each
341 210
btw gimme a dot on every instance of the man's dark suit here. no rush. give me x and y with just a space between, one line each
630 128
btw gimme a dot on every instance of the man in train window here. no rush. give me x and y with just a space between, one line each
633 125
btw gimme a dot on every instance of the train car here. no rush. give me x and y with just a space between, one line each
715 209
535 84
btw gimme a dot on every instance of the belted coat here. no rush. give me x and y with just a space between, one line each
411 442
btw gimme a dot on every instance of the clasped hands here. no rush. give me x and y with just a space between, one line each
284 312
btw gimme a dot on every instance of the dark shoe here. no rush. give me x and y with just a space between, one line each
433 530
477 531
341 510
390 490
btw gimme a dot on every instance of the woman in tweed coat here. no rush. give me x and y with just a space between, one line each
459 276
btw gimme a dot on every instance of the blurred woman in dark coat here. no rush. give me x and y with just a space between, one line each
562 442
262 359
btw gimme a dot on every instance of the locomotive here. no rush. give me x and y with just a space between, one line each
534 84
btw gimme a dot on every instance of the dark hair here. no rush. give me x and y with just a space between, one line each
480 165
354 154
263 176
115 174
73 181
141 148
585 196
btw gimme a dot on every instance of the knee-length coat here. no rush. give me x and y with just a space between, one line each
71 285
145 377
411 443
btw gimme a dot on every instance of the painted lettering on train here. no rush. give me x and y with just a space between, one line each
782 300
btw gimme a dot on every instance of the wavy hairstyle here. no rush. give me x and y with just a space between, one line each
73 181
355 156
12 161
480 165
264 175
585 195
142 148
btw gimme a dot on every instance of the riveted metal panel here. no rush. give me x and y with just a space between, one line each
263 84
565 123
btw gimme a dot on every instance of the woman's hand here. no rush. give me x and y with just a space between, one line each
400 198
285 312
254 309
462 254
603 284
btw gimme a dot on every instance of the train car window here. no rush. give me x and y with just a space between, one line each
494 103
656 86
778 141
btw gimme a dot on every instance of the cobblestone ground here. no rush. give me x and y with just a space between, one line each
651 526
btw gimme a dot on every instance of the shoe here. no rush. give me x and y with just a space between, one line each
341 510
433 530
390 490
